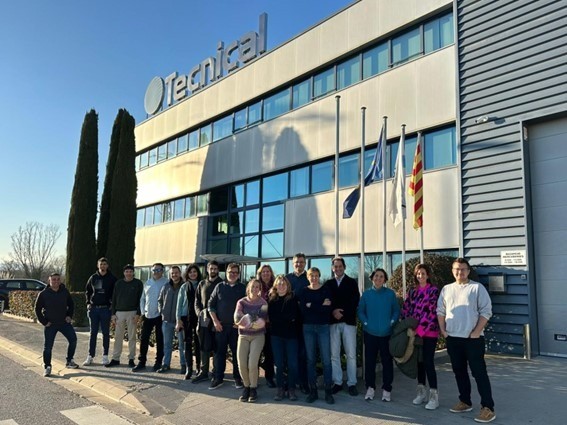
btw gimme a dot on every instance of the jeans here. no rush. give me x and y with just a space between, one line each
125 319
372 346
463 351
318 336
49 333
285 352
168 330
186 345
249 350
228 337
147 326
99 318
341 332
427 367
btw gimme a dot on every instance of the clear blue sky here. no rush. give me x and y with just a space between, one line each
61 58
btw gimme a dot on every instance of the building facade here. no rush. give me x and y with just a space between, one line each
245 164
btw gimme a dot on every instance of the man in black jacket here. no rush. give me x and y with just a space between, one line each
343 325
54 310
98 291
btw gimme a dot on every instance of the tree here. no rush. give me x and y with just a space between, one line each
33 249
104 215
122 220
81 242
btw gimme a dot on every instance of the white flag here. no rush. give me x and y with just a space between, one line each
397 206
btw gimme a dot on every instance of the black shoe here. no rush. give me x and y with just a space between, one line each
183 370
352 390
131 363
304 389
313 395
253 395
215 383
157 367
329 395
270 383
139 367
163 369
336 388
200 378
238 383
245 394
188 374
112 363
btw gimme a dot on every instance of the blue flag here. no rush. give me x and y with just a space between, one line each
375 173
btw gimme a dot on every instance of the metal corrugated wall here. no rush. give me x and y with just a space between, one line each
512 67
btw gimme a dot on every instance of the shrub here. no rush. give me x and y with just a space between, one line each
22 303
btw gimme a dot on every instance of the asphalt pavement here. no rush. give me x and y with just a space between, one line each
525 391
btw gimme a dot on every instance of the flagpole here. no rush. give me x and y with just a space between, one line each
338 99
420 141
362 190
384 243
402 143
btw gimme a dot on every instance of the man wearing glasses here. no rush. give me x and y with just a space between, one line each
151 318
221 308
463 310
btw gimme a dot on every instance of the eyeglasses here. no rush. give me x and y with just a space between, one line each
157 270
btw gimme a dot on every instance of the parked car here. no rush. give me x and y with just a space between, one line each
7 285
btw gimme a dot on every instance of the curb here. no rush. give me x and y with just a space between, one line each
103 387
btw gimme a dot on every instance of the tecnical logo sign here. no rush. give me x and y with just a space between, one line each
177 87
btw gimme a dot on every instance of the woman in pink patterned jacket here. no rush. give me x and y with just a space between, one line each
421 304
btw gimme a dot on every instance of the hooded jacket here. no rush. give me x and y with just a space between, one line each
54 306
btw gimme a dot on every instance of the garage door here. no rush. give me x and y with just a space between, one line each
548 168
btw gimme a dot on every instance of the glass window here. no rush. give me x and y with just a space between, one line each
218 246
205 135
240 119
182 143
253 192
222 128
190 206
409 152
406 46
218 200
322 177
301 93
371 263
272 245
440 148
162 153
137 163
349 174
167 212
274 188
172 148
324 82
252 223
158 214
255 113
149 216
236 223
273 218
202 204
438 33
236 245
153 157
193 140
277 266
144 159
218 225
237 200
251 245
277 104
140 217
375 60
299 182
348 72
352 263
179 209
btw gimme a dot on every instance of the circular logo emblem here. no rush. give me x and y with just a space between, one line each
154 95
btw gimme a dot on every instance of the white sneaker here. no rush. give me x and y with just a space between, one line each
421 395
47 371
105 360
433 402
88 361
369 394
386 395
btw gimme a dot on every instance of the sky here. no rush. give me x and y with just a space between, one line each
60 59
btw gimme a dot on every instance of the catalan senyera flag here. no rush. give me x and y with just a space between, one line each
415 188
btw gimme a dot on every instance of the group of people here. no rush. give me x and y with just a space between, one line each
290 319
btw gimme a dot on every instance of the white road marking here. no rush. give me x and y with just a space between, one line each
93 415
8 422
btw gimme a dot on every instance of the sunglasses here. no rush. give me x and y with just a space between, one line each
157 270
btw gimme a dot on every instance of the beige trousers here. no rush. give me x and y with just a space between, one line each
125 319
249 350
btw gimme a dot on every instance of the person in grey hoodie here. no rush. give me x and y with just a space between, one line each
54 309
167 306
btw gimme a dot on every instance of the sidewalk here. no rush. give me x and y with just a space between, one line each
525 392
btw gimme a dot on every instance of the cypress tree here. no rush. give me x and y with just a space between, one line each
104 216
81 243
122 213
